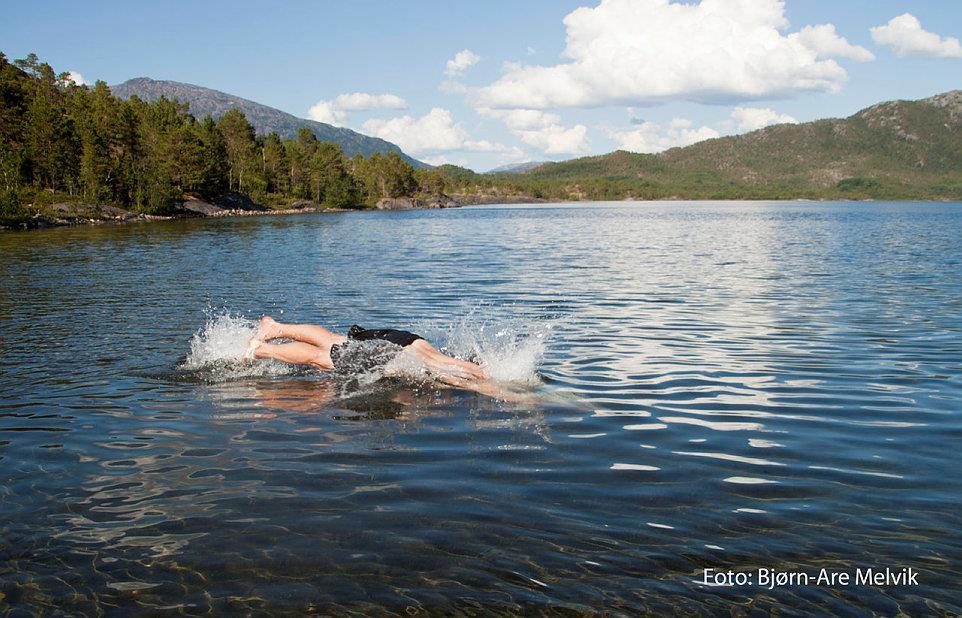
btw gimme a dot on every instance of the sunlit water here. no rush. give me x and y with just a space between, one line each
704 385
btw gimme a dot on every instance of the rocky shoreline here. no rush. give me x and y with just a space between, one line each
239 205
229 205
453 201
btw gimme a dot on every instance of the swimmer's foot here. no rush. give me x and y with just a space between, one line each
252 346
268 329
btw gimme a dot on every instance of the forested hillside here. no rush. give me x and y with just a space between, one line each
265 120
893 150
60 142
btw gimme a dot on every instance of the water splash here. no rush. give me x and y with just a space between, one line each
217 351
223 338
362 365
509 348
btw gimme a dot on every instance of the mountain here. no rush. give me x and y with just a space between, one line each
205 101
897 149
516 168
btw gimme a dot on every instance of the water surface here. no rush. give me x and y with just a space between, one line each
720 385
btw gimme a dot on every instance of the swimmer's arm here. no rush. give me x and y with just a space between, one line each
489 388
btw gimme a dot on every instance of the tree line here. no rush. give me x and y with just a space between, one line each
64 141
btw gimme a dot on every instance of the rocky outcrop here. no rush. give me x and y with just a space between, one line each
237 201
452 201
237 205
410 203
477 200
229 203
200 207
72 213
951 101
91 210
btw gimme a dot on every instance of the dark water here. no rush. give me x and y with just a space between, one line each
728 386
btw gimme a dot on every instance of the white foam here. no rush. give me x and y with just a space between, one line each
510 349
638 467
748 480
366 362
223 338
218 349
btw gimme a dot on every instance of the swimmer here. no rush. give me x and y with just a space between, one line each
322 349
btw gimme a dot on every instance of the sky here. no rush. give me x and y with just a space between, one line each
486 84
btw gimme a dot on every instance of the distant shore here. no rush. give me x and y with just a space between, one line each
76 214
235 205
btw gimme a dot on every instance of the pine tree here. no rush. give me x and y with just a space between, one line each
158 170
274 158
334 186
243 170
213 164
45 127
13 104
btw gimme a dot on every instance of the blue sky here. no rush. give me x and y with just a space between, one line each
488 83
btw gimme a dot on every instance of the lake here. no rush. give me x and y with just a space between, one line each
707 385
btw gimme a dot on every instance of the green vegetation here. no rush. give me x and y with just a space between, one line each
893 150
858 184
64 143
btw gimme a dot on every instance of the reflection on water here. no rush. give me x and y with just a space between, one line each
733 385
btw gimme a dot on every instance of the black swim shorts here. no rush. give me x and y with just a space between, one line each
397 337
386 343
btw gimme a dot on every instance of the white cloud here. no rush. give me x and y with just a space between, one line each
362 101
518 119
542 130
462 61
826 43
443 159
905 36
334 111
509 156
531 51
452 87
77 78
556 139
325 111
645 51
744 119
512 154
434 132
652 137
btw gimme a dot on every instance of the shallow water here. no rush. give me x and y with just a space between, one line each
720 385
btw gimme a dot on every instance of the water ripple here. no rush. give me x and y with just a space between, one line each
721 385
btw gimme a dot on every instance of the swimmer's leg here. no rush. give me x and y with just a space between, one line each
317 336
297 353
